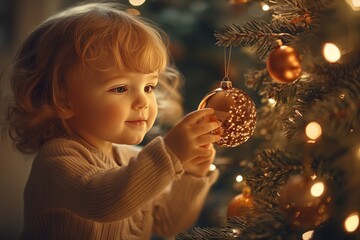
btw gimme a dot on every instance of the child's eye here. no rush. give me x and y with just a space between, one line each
120 89
149 88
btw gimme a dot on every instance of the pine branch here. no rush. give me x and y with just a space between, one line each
263 221
291 18
270 170
261 36
334 103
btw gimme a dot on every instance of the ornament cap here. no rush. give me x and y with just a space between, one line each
226 84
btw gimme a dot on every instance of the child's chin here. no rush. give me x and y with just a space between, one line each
132 141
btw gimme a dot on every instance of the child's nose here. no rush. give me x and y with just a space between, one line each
141 101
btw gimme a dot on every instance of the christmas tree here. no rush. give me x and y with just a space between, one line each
303 180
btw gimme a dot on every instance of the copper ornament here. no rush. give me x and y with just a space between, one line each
235 109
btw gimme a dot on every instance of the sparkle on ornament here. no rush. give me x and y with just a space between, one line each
313 130
331 52
136 2
239 178
212 167
317 189
351 222
307 235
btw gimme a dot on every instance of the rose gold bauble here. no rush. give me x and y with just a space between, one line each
239 205
283 64
237 2
235 109
306 202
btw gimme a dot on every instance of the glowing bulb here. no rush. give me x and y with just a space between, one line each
212 167
313 130
239 178
272 101
136 2
317 189
331 52
265 7
351 222
307 235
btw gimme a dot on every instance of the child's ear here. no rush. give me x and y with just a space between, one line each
66 111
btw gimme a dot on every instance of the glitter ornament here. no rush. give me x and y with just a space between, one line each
240 205
237 2
235 109
306 202
283 64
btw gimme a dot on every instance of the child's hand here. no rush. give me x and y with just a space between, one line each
188 138
199 166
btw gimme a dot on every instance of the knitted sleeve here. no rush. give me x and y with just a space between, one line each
177 209
70 180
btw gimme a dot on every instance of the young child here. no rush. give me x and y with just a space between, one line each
83 85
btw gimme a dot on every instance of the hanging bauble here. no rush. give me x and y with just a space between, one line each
240 205
237 2
284 64
306 202
235 109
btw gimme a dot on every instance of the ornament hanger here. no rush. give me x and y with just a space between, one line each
227 64
226 83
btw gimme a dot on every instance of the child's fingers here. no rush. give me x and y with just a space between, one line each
205 128
196 116
207 139
202 152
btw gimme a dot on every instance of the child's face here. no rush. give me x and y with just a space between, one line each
112 106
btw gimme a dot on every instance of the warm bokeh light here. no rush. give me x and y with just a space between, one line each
331 52
313 130
355 4
136 2
351 222
307 235
265 7
239 178
317 189
358 153
212 167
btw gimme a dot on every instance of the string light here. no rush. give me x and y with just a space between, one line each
313 130
239 178
212 167
351 223
317 189
331 52
272 102
265 7
136 2
307 235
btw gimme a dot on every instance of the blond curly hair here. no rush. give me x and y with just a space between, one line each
75 37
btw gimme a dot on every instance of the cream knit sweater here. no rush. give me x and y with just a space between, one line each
74 191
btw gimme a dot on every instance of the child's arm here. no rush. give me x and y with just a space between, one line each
70 177
178 209
73 178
